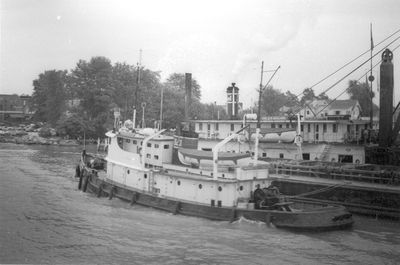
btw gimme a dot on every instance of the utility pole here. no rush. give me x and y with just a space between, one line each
262 88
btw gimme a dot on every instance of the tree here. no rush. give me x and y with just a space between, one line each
177 81
308 94
291 99
49 95
75 127
361 92
92 83
271 101
323 96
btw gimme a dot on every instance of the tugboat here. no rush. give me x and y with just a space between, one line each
145 166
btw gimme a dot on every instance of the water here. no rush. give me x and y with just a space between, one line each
44 218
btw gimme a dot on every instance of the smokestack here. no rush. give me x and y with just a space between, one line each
232 101
386 99
188 97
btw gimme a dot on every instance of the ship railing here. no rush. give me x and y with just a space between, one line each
338 173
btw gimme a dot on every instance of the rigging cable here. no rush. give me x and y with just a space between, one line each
351 86
340 68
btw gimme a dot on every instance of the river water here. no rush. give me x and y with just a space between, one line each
44 218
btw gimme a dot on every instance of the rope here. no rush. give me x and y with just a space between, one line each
316 191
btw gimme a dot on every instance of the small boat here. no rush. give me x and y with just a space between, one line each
144 167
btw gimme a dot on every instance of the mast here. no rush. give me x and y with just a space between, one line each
259 107
139 64
258 115
371 79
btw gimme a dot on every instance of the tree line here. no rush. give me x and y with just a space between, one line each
98 86
273 99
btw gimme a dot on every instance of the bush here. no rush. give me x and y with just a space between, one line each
45 132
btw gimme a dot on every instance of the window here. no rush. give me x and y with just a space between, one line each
127 140
264 154
219 203
200 186
334 128
280 125
348 128
241 188
302 128
217 126
281 155
134 142
148 144
345 158
166 146
317 128
156 145
156 157
208 127
219 188
232 127
308 112
287 125
200 126
306 156
179 182
337 112
148 156
324 128
272 125
212 203
308 128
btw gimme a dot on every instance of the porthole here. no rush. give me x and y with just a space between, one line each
179 182
200 186
219 188
241 188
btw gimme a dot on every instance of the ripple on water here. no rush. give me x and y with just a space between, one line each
45 219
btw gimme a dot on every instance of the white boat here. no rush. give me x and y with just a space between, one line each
142 167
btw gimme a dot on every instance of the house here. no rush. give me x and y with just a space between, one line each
332 110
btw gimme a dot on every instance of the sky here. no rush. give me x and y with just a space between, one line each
219 42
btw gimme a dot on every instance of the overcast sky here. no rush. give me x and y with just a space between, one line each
219 42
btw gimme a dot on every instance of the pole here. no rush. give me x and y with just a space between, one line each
371 79
161 107
137 85
258 115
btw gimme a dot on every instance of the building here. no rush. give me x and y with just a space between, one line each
337 134
14 108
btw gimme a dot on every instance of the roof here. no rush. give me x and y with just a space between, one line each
343 104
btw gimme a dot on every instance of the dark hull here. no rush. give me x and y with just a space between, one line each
316 219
